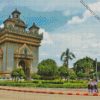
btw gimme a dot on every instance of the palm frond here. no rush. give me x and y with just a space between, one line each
72 54
71 58
62 55
67 52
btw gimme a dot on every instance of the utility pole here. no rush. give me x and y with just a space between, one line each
96 69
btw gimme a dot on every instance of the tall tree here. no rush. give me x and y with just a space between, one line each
66 56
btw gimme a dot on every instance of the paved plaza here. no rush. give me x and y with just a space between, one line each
10 95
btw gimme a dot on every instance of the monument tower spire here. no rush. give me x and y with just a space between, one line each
16 14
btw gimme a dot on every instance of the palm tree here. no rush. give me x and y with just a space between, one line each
66 56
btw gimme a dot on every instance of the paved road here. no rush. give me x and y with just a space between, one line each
10 95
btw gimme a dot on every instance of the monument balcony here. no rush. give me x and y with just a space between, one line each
4 73
23 56
22 32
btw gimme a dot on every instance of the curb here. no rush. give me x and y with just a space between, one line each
51 92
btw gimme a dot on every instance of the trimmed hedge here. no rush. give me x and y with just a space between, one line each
46 84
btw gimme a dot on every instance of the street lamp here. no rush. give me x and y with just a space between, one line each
96 69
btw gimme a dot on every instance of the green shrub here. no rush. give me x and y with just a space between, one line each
52 82
36 76
17 74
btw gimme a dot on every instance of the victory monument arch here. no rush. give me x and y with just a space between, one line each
18 47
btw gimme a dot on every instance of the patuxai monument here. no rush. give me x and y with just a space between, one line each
19 46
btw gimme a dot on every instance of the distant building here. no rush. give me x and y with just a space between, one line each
19 47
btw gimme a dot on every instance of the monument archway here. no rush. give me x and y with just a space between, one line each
22 64
25 64
24 58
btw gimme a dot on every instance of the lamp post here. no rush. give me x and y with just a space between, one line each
96 69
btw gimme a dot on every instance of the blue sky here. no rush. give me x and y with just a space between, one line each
65 23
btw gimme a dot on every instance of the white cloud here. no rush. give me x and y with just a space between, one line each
46 37
95 7
84 44
2 26
76 20
44 54
81 44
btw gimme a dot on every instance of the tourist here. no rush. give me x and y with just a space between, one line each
90 86
95 86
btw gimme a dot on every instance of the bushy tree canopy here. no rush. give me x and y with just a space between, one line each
47 68
63 72
85 65
72 74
